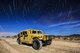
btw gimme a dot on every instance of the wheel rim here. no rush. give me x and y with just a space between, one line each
18 41
36 45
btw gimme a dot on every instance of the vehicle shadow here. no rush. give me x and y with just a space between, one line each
27 44
31 44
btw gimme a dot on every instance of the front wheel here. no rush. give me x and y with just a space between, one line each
19 41
37 44
49 42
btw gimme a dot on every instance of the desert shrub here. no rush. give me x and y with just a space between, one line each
7 36
15 36
65 38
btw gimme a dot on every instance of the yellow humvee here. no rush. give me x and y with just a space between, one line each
35 37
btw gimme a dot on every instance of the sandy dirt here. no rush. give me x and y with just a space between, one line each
11 46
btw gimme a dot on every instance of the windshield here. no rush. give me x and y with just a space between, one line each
36 32
39 32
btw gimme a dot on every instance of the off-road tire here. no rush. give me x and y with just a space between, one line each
19 41
49 42
37 44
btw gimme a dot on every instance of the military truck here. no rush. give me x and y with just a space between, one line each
36 38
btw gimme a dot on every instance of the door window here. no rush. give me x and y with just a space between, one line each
25 34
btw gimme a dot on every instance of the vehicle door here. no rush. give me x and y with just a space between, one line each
25 36
21 36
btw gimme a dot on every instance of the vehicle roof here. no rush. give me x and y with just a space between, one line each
32 29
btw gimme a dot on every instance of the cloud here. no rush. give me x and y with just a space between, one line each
74 24
64 28
7 34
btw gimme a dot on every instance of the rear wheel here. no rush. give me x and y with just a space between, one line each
49 42
19 41
37 44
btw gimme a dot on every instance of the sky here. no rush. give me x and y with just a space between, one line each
58 17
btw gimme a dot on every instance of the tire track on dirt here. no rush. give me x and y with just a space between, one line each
8 47
55 47
25 48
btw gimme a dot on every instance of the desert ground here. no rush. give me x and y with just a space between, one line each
9 45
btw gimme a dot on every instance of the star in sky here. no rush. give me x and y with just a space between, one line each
17 15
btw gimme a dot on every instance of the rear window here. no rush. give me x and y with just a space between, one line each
24 33
21 33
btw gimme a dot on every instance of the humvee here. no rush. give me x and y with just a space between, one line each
34 37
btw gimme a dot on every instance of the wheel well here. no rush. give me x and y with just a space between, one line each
35 37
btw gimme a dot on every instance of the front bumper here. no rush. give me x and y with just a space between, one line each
47 38
45 42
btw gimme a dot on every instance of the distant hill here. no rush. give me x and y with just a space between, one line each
67 37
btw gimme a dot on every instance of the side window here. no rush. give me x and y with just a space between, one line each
25 33
21 33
